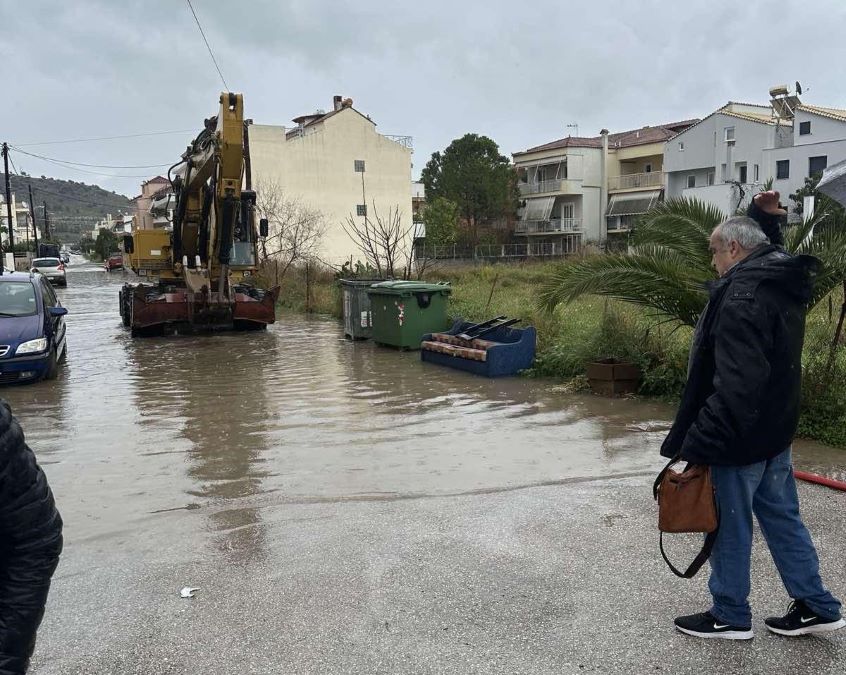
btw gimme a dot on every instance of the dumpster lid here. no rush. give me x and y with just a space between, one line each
408 288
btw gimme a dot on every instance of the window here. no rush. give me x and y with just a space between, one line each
691 181
742 173
816 165
361 209
723 175
782 169
568 210
729 134
756 173
710 178
804 128
681 146
647 168
359 166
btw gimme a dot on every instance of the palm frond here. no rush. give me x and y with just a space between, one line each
682 225
655 280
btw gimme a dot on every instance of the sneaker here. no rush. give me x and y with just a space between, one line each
801 620
706 625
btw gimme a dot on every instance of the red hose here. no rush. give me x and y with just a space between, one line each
820 480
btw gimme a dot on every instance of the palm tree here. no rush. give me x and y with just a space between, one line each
669 262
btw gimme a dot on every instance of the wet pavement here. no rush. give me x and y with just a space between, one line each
345 508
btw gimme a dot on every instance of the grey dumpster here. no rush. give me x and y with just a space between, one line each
357 318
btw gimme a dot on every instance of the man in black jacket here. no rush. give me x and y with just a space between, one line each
30 544
738 414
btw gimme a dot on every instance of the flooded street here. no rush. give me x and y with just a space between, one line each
321 492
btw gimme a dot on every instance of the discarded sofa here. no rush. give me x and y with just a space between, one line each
503 351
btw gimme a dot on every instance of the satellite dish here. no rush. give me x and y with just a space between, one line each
798 88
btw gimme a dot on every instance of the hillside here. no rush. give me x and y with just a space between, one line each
73 206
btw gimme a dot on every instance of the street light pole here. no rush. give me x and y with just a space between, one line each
8 196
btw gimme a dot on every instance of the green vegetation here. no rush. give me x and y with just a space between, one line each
479 180
73 207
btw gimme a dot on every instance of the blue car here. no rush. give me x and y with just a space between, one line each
32 328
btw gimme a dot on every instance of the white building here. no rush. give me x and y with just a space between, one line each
21 221
728 156
338 164
578 190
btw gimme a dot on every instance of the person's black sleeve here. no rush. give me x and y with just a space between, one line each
30 544
770 224
742 370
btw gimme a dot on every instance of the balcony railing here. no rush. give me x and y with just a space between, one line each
633 181
548 226
553 185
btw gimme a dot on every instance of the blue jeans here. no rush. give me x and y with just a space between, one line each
767 489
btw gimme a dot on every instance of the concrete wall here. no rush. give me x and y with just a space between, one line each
318 170
705 150
822 129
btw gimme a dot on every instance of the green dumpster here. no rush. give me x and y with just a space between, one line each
404 311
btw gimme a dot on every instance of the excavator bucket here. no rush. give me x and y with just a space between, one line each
149 309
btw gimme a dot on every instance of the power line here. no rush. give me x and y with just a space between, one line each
97 166
92 173
225 86
107 138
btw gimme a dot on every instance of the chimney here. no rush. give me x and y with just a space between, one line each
336 102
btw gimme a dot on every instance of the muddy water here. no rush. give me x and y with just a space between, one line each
137 428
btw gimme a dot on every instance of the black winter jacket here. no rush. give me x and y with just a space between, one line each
741 401
30 544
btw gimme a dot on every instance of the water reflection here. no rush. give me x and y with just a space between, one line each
210 392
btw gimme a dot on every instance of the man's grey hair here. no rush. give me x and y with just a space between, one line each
745 231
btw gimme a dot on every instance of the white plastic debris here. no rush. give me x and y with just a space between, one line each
188 592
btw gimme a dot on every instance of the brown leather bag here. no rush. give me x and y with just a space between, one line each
686 503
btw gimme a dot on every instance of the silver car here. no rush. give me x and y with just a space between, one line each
52 268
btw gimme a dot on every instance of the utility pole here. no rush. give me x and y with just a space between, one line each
46 235
8 196
34 222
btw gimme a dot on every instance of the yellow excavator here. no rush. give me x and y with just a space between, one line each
199 272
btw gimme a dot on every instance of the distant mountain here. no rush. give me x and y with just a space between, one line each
73 207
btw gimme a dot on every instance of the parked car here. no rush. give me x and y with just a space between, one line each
114 262
65 257
52 268
32 328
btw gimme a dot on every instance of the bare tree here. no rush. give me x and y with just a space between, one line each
386 244
296 230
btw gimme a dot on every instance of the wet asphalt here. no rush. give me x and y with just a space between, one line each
345 509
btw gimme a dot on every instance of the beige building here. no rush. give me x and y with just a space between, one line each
150 190
338 164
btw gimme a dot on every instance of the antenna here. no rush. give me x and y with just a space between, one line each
574 126
798 88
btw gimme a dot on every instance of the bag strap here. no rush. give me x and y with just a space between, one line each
676 458
698 561
710 538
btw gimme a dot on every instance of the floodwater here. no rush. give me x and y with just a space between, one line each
135 429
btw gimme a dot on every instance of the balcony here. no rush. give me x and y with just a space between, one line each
553 226
636 181
553 185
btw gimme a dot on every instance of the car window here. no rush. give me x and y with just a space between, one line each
46 262
49 294
17 299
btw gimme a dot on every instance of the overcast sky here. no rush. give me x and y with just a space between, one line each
519 72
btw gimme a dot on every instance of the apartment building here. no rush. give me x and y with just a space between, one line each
338 164
22 228
729 155
578 190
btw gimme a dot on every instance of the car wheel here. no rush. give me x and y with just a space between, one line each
64 357
52 366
